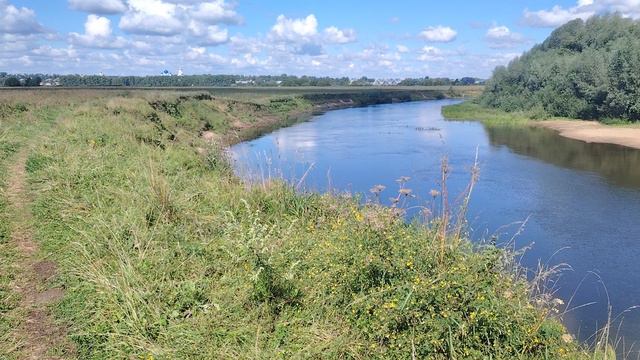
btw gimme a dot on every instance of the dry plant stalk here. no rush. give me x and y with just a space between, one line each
445 207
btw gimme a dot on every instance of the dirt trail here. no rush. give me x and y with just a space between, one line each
37 333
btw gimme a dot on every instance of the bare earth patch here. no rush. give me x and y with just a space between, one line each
38 333
594 132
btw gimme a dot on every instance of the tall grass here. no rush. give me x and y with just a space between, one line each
165 254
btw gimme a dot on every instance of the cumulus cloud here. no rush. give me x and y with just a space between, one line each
583 9
101 7
216 12
402 49
97 26
249 61
301 36
335 35
295 30
430 53
97 33
439 34
15 20
59 54
194 53
503 37
556 16
152 17
209 34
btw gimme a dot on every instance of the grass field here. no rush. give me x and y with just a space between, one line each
162 253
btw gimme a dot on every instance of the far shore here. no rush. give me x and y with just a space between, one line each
595 132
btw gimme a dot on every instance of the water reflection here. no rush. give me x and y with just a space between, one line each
619 165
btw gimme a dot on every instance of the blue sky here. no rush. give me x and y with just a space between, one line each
379 39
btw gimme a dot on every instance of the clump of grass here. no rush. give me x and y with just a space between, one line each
469 110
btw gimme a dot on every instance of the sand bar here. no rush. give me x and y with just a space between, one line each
595 132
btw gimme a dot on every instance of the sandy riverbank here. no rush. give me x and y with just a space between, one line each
594 132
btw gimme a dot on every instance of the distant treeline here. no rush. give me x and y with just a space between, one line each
215 80
584 69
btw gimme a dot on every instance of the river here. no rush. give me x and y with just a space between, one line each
571 202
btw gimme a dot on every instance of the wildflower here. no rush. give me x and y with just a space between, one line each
377 189
567 338
405 192
434 193
403 179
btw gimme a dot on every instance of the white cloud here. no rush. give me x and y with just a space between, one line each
335 35
248 61
295 30
301 36
210 35
14 20
97 34
216 12
102 7
58 54
194 53
152 17
430 53
554 17
503 37
97 26
402 49
439 34
583 9
240 44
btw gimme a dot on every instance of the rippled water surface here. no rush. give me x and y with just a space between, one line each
581 202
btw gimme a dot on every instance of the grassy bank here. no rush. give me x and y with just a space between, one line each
163 253
469 110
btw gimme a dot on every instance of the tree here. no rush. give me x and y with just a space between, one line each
584 69
12 81
33 81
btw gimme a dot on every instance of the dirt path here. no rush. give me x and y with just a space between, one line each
37 333
591 131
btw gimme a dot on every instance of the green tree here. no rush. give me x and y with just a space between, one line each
12 81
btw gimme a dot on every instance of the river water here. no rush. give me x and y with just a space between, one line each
571 202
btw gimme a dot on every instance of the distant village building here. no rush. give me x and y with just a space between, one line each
50 82
165 73
245 82
180 73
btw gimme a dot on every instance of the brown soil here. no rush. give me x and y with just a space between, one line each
594 132
37 333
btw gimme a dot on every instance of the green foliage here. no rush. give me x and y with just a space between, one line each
584 69
12 81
